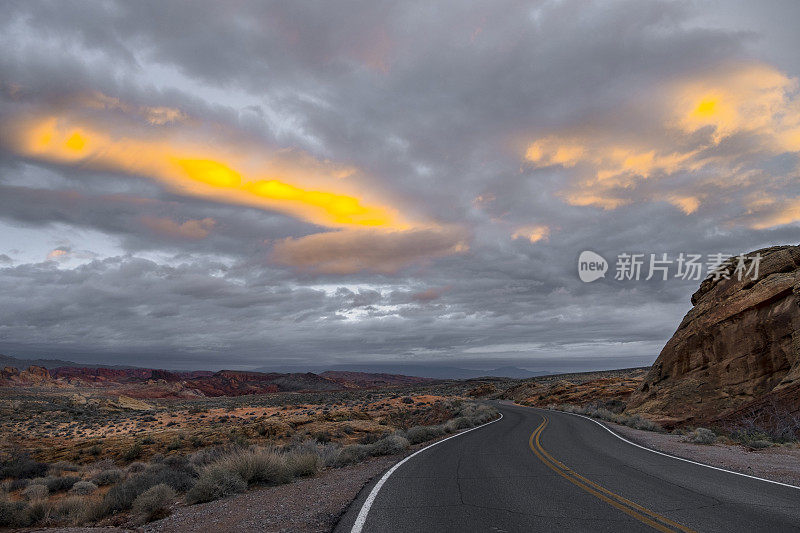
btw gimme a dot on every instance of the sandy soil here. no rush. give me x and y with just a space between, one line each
777 463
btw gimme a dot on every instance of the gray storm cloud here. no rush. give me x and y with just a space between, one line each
281 183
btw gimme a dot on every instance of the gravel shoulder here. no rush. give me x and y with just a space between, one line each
777 463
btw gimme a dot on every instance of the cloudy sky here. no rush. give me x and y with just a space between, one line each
250 184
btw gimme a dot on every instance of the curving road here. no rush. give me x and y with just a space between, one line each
539 470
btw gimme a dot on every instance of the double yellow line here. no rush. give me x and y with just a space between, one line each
642 514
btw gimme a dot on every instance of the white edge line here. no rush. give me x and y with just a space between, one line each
361 519
672 456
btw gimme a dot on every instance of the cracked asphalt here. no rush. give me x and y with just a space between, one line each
490 479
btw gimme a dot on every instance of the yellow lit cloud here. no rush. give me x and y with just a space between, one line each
202 171
369 233
678 151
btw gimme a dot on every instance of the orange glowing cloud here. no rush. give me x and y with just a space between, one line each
682 131
369 232
532 233
272 183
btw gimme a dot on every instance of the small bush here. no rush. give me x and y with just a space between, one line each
132 453
83 487
702 436
110 476
72 510
13 514
418 434
136 467
302 464
18 484
215 483
351 454
57 484
35 492
22 467
153 503
389 445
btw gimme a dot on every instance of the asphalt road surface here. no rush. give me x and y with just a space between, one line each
540 470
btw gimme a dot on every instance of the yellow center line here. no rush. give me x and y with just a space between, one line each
628 507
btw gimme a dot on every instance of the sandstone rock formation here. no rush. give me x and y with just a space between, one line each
738 345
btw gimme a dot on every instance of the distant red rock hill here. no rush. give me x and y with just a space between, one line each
155 383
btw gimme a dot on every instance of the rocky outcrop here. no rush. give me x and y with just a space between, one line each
739 344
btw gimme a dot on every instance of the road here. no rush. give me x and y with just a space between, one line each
541 470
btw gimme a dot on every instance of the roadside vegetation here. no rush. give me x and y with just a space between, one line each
634 421
142 478
773 426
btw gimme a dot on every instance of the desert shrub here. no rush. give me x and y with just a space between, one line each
35 492
302 464
389 445
351 454
251 467
132 453
83 487
458 423
13 514
18 484
136 467
637 422
215 483
702 436
22 467
72 510
418 434
407 399
758 444
122 495
56 484
153 503
63 466
109 476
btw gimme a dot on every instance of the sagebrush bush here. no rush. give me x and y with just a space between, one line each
388 445
153 503
302 464
351 454
73 510
701 436
22 467
13 514
83 487
418 434
35 492
110 476
215 483
56 484
122 495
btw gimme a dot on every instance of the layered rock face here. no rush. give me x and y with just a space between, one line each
737 346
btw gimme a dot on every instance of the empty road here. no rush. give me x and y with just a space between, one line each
539 470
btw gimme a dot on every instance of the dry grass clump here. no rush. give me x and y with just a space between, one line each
153 504
701 436
239 469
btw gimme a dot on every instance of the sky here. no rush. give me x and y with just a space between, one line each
272 184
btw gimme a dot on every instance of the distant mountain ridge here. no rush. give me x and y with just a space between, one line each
155 383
